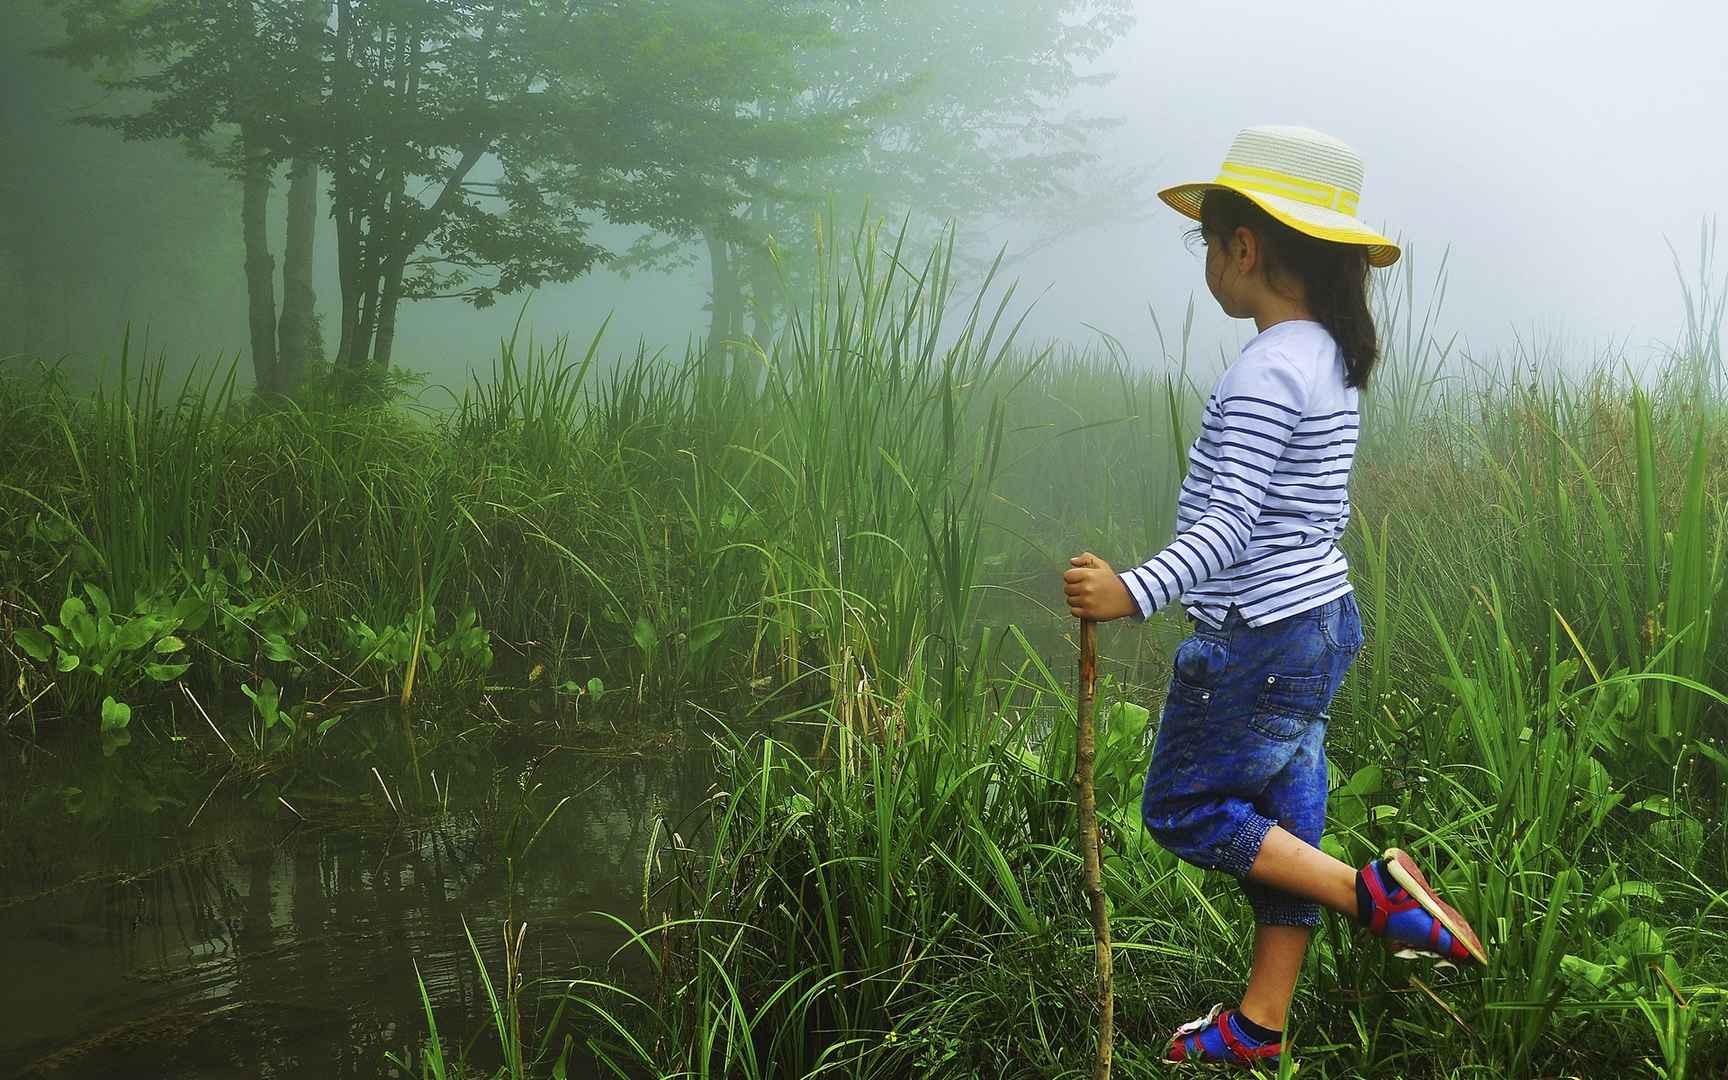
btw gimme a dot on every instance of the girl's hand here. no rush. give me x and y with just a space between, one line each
1094 591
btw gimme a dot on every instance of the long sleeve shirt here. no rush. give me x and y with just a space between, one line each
1266 497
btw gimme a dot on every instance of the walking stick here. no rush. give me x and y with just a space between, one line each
1084 752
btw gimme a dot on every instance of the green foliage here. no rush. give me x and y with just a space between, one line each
832 535
451 658
93 649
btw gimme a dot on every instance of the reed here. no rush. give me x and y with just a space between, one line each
845 542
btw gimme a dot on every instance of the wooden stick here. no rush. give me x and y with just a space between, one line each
1085 751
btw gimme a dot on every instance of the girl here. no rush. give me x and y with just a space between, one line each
1238 774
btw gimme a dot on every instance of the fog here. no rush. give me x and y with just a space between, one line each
1553 150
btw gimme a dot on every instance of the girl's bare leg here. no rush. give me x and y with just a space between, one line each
1278 954
1287 863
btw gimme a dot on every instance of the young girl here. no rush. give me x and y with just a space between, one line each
1238 774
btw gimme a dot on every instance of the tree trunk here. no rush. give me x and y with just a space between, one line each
298 340
346 185
764 298
764 282
348 278
388 302
726 306
361 355
260 267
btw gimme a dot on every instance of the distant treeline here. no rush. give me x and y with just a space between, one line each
468 150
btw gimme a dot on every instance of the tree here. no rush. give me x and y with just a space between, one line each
427 115
706 90
236 81
422 94
959 102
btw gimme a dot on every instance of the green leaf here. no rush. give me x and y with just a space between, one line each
187 606
115 714
1126 718
329 722
33 642
71 609
169 644
1564 672
166 672
645 636
1643 890
704 636
1578 968
68 661
1681 837
1364 781
100 599
276 647
267 699
133 635
1656 804
596 688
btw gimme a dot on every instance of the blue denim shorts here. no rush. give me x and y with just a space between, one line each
1241 746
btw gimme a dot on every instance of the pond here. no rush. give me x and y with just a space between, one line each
270 924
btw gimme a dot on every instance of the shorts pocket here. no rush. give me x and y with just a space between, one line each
1196 668
1341 625
1289 703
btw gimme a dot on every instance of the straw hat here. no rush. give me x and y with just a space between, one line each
1309 181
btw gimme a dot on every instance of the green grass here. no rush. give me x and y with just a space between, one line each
848 544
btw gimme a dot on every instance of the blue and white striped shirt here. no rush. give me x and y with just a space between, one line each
1266 498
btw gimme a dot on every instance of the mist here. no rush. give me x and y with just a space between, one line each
1552 152
1551 156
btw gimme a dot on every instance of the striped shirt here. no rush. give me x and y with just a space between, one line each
1266 497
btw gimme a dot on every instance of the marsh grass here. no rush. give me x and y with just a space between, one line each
854 534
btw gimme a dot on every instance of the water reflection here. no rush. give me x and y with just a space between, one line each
261 944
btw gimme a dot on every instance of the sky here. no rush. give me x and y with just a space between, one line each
1550 151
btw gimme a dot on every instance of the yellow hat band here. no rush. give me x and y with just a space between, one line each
1271 182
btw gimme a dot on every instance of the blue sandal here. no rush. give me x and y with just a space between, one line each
1405 910
1214 1039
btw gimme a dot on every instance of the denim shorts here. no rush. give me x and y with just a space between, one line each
1241 746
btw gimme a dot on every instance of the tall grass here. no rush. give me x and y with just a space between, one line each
855 533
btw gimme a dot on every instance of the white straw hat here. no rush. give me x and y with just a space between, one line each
1308 180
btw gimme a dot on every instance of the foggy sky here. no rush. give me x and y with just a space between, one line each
1554 148
1551 146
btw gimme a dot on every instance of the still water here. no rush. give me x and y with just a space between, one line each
270 925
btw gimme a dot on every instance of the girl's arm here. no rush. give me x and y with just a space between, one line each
1250 419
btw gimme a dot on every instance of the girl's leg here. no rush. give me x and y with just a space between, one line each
1284 918
1278 952
1389 896
1287 863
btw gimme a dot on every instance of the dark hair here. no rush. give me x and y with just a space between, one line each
1334 276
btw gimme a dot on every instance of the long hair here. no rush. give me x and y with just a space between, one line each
1334 276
